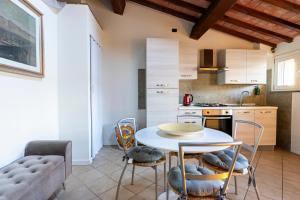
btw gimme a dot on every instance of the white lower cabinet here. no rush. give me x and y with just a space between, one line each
190 116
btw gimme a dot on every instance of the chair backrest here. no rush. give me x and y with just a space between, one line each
259 134
203 119
125 130
220 176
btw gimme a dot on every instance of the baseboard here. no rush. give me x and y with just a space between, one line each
81 162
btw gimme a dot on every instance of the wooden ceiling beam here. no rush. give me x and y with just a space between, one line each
242 35
166 10
188 5
266 17
257 29
285 4
118 6
215 11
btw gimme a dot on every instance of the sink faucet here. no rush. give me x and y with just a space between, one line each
242 96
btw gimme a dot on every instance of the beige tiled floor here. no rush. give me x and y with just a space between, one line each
278 177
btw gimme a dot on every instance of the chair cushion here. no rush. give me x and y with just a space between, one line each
194 187
223 159
145 154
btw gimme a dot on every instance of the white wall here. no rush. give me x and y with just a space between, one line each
75 25
124 53
28 106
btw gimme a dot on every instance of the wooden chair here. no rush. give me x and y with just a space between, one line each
142 156
197 182
248 169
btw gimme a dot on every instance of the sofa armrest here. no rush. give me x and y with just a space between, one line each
52 147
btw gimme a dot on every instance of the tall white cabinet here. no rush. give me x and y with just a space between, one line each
79 81
162 80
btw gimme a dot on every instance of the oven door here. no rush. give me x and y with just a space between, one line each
222 123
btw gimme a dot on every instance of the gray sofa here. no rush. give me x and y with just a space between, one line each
39 174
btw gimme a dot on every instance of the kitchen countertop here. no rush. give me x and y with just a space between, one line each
181 107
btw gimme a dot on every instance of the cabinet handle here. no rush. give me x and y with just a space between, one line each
187 122
194 122
186 75
161 85
246 112
187 113
159 92
254 81
268 112
233 80
193 112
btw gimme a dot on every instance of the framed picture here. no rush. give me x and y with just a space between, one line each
21 38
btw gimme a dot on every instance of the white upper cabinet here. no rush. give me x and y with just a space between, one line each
188 69
244 66
256 67
235 61
162 52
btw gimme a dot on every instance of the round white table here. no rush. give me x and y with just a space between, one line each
153 137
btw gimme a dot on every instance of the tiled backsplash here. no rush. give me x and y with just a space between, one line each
206 90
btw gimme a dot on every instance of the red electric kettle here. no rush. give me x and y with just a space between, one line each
187 99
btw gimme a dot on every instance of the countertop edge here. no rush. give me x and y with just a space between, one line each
227 107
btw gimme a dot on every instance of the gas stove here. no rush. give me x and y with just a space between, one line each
209 105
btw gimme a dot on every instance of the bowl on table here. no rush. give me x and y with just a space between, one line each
181 129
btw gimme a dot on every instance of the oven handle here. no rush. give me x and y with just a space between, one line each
217 118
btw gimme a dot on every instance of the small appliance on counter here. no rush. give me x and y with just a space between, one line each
188 99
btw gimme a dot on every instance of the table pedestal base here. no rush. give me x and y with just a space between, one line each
172 196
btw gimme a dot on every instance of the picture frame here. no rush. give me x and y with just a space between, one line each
21 38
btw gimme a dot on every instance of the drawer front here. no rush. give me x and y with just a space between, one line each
162 100
155 118
190 120
189 112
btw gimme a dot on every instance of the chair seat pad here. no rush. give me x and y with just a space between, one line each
144 154
198 188
223 159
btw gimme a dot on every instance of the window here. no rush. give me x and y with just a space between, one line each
287 72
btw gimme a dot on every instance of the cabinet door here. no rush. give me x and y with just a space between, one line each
155 118
162 100
236 63
267 118
256 67
188 69
162 52
245 132
162 77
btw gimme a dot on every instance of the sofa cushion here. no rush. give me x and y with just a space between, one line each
194 187
21 175
223 159
145 154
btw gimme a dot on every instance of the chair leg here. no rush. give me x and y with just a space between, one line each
132 176
235 185
168 188
165 176
156 184
120 180
255 187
